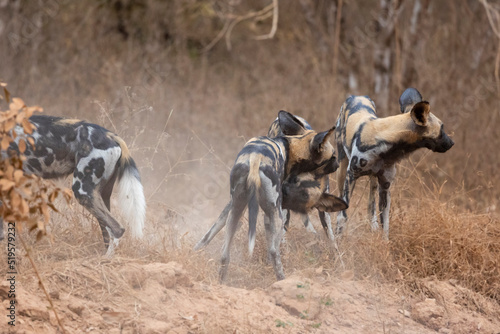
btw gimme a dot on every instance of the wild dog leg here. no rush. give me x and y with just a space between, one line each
384 181
95 205
283 215
273 237
106 191
324 217
372 208
232 225
253 212
90 172
216 227
307 223
326 222
350 182
286 215
286 218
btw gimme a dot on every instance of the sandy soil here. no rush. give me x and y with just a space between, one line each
126 296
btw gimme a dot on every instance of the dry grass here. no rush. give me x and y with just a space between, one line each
436 241
427 239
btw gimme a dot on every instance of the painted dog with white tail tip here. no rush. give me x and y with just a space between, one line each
97 158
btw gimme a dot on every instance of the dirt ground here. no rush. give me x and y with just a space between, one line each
130 296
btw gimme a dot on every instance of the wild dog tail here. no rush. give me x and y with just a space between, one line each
130 191
253 184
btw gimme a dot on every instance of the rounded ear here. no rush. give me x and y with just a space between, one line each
320 139
409 97
420 113
289 124
331 203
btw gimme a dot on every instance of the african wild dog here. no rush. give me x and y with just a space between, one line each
256 180
97 158
368 145
306 191
301 194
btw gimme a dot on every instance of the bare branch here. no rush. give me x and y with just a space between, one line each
493 15
233 20
218 37
336 39
275 23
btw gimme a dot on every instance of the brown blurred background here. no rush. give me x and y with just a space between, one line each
187 82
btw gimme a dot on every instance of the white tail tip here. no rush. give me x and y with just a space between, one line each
132 202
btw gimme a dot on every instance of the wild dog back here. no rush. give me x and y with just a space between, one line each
61 142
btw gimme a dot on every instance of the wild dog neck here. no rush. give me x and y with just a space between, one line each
391 129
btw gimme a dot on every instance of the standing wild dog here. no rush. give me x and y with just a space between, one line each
368 145
97 158
256 179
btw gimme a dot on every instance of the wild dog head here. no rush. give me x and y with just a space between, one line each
307 149
429 130
304 192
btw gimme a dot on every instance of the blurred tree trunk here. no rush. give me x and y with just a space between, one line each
321 31
413 42
383 56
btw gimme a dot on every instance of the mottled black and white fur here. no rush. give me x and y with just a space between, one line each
97 158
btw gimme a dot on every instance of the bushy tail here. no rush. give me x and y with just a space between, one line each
253 211
130 192
253 184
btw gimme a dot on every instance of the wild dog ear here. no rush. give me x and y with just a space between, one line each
289 124
410 97
331 203
321 139
420 113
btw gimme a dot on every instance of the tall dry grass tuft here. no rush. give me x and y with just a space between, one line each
432 240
